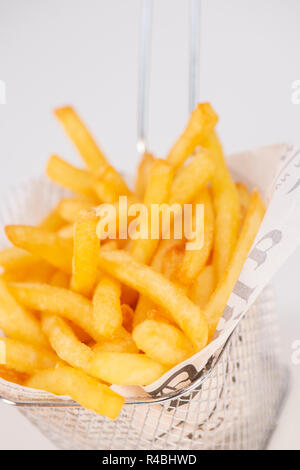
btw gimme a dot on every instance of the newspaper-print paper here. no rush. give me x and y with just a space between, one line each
275 171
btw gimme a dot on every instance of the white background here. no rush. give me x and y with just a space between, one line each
84 53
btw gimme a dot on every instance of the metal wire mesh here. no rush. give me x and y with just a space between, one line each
236 407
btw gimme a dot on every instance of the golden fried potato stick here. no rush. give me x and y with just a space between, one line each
48 246
85 253
203 286
28 358
110 185
215 306
81 138
157 316
143 174
69 208
60 279
89 150
125 368
70 349
171 263
161 291
14 258
162 342
127 314
244 197
145 305
11 375
15 275
85 390
17 322
66 232
57 300
191 178
52 222
60 301
202 120
64 341
227 207
68 176
107 312
195 260
124 344
41 271
142 310
157 192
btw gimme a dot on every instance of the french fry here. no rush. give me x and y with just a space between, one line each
203 286
60 301
15 275
11 375
161 291
171 263
157 192
107 312
162 342
14 258
145 305
17 322
82 139
127 314
89 150
143 175
52 222
48 246
64 341
191 178
165 247
157 316
70 207
86 252
194 260
227 207
244 197
141 313
27 358
110 185
116 345
129 296
39 272
125 368
57 300
87 391
60 279
215 306
122 343
66 232
202 120
123 339
66 175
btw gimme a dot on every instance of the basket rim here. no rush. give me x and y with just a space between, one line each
61 402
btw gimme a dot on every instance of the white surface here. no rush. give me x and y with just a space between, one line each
85 53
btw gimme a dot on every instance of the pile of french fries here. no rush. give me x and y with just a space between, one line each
81 312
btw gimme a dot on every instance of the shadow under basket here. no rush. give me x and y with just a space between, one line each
235 406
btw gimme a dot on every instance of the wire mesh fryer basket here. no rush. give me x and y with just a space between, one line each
235 407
